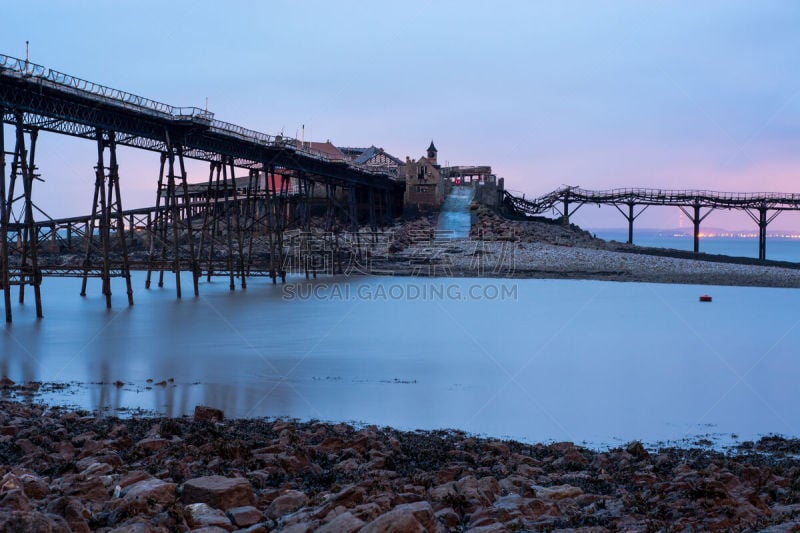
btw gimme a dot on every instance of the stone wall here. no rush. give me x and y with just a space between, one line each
488 194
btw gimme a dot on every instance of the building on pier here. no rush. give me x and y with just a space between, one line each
425 186
376 158
427 182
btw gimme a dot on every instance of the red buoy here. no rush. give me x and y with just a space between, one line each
705 298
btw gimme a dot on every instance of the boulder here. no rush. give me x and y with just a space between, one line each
136 527
34 486
203 413
151 444
152 489
26 522
407 518
556 492
286 503
245 516
344 523
219 492
202 515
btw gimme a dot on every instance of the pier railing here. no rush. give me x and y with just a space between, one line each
24 69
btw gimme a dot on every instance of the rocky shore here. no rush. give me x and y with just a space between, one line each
498 247
502 248
62 471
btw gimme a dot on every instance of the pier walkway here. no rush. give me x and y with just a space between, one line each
695 204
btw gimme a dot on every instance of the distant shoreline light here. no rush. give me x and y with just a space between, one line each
734 235
744 235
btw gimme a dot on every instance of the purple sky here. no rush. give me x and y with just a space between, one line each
601 95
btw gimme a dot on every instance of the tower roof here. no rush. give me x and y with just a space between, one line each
432 148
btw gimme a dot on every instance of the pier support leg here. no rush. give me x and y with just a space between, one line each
387 200
5 266
107 216
187 223
373 226
175 216
566 202
157 227
29 264
630 216
696 217
762 218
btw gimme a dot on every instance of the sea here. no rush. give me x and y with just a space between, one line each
593 362
780 246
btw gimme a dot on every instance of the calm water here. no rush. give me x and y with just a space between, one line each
589 361
778 249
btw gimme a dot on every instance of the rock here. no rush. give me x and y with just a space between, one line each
26 522
558 492
15 499
349 496
132 477
219 492
286 503
636 449
136 527
203 515
73 511
448 517
245 516
490 528
406 518
97 469
344 523
256 528
208 414
302 527
153 490
33 486
151 444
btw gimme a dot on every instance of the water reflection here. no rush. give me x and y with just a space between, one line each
573 360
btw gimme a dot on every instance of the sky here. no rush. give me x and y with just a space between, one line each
700 95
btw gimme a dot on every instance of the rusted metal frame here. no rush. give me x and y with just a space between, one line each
250 217
99 192
5 265
155 225
115 197
387 200
205 232
304 185
172 203
29 238
352 215
226 206
330 197
215 214
282 195
238 223
271 219
188 225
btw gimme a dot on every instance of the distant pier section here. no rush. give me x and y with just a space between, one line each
695 204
